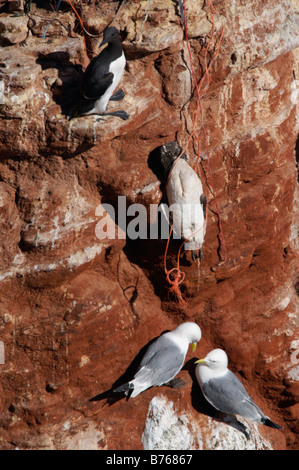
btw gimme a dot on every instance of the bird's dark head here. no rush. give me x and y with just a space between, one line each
111 34
162 158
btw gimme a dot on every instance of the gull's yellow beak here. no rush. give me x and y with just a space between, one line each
200 361
193 346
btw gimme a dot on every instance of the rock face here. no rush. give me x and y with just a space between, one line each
76 310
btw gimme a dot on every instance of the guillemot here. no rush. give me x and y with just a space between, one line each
101 78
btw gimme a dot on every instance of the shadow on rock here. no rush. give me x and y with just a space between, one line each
112 397
67 87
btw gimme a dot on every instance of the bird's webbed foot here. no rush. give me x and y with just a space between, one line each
118 96
195 255
121 114
175 383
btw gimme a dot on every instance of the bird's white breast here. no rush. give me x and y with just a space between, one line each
202 374
117 68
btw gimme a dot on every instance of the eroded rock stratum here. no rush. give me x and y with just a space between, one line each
75 310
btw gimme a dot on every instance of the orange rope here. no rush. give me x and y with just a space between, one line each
206 76
82 27
178 276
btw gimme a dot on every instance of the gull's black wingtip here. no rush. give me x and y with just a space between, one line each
271 424
124 388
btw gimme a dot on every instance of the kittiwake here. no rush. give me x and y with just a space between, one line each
163 359
224 391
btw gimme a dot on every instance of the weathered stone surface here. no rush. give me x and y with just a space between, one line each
12 5
75 310
13 30
165 429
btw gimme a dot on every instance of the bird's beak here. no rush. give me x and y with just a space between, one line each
104 40
200 361
193 346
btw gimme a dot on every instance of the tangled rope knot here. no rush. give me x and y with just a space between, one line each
175 284
175 277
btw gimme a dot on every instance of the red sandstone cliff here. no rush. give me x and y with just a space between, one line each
75 311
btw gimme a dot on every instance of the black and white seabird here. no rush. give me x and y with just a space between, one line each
163 359
224 391
101 78
185 198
